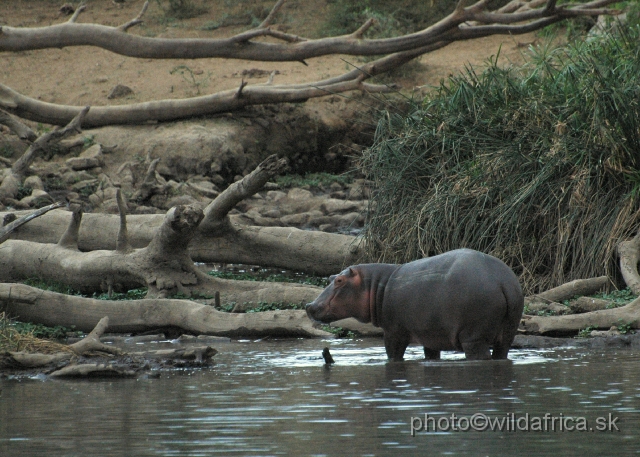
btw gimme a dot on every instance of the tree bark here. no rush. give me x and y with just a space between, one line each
50 308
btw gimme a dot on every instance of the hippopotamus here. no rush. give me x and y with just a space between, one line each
461 300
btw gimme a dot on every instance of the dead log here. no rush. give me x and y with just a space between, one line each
588 304
216 239
579 287
571 324
198 354
163 266
220 102
285 247
49 308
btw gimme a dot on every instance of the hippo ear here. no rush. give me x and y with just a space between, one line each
350 272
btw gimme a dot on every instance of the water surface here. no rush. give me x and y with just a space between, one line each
276 397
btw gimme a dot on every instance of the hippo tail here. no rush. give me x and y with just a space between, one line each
515 305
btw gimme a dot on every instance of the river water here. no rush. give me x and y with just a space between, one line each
276 397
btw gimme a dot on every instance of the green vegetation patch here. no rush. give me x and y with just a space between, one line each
537 165
268 276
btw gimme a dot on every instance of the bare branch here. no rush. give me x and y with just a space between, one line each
221 102
295 49
267 22
76 13
7 229
148 186
122 242
135 21
216 213
238 93
91 342
69 239
363 28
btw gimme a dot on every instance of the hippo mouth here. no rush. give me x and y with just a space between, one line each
312 315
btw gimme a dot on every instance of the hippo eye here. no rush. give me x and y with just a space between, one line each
338 281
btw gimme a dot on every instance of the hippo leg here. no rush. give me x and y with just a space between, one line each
476 350
395 345
431 354
500 351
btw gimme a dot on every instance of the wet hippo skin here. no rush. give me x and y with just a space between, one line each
461 300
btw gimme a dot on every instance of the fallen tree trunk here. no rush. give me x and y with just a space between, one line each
285 247
49 308
571 324
164 266
579 287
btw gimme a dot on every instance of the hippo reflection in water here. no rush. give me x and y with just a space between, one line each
461 300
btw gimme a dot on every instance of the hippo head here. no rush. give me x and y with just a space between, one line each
344 297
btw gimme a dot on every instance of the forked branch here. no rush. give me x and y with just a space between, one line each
294 48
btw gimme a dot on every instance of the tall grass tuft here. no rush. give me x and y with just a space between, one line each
538 165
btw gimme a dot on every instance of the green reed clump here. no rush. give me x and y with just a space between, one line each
538 165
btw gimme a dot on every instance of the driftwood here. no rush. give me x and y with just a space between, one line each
163 266
49 308
573 323
464 23
215 239
91 342
74 361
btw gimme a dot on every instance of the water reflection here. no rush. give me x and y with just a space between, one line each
278 398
